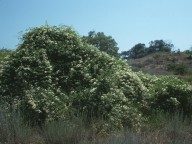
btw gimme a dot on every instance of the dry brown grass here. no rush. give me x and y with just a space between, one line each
157 63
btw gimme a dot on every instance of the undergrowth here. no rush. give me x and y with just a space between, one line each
161 129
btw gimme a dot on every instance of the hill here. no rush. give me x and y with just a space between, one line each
163 63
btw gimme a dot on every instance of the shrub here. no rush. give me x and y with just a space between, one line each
178 69
168 94
172 95
53 74
189 57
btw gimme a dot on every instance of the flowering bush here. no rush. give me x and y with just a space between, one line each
53 74
173 95
167 93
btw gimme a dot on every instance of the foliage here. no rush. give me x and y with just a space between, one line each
137 51
189 57
178 69
140 50
167 93
159 46
172 95
189 51
149 82
4 54
102 42
53 75
187 78
124 55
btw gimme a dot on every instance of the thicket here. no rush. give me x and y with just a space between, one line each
53 75
178 69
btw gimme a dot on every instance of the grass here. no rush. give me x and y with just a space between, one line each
187 78
161 129
166 129
12 130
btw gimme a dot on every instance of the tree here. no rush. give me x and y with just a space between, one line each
138 51
189 51
104 43
125 55
159 46
135 52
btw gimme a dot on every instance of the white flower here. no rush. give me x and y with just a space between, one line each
93 90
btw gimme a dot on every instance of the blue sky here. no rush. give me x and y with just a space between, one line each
129 22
